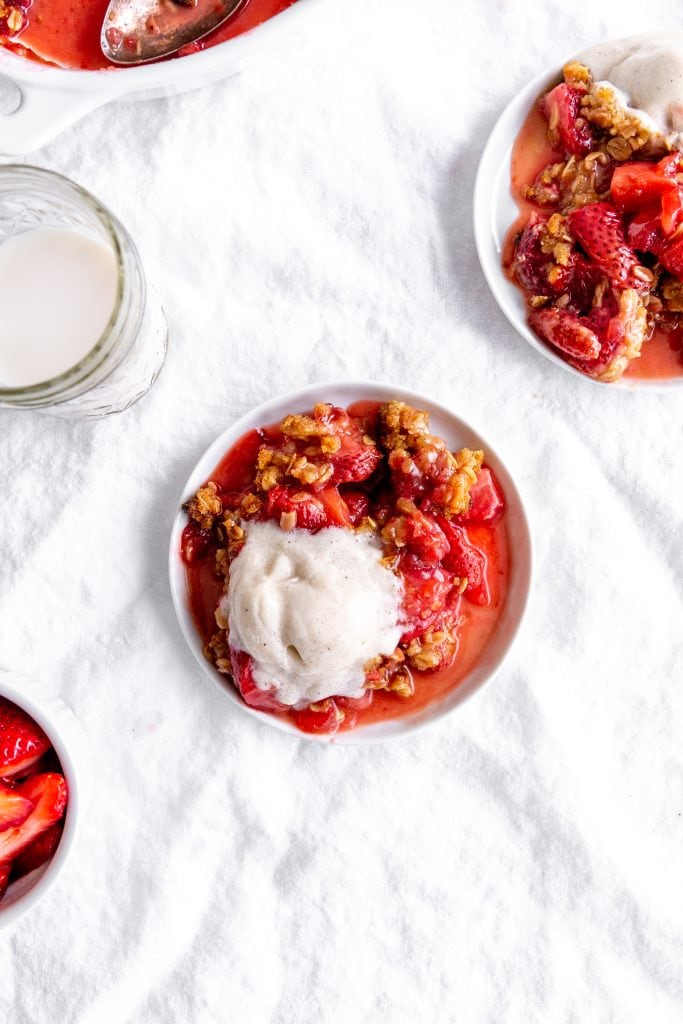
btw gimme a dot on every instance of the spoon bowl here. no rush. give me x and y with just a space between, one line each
139 31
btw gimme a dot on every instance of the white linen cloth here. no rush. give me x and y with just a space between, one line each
520 860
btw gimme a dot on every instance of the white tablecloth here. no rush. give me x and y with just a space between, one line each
521 860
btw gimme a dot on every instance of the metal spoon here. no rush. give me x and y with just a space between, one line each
137 31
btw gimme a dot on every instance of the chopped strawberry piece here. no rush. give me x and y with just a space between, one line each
645 233
410 484
40 851
22 741
671 257
599 229
487 502
672 209
539 274
427 590
325 717
5 871
620 325
336 509
566 332
532 265
669 166
584 280
562 107
355 460
354 466
638 184
309 510
467 562
252 694
195 543
424 538
357 504
14 808
48 794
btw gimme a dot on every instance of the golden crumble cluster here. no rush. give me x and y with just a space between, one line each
404 436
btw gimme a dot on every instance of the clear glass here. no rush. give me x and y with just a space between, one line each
128 357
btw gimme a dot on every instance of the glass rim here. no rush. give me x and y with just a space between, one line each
85 366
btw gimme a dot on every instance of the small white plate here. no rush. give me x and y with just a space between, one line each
494 213
62 729
457 434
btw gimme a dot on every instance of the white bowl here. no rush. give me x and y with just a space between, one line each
49 99
63 731
458 434
494 213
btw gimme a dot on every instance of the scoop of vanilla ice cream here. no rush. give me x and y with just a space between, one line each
311 609
647 73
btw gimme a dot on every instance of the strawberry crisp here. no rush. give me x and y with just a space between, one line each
33 795
598 250
344 566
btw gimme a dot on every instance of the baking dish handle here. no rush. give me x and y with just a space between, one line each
33 113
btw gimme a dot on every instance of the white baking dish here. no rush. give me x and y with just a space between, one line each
48 99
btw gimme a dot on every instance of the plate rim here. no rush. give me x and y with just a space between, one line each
522 568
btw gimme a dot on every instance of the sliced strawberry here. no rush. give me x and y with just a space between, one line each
467 562
355 464
195 543
638 184
566 332
426 592
424 538
336 509
671 257
5 871
14 808
309 510
599 229
355 460
40 851
620 325
325 717
252 694
487 502
562 107
672 209
357 504
584 280
645 233
539 274
22 741
48 794
532 265
670 165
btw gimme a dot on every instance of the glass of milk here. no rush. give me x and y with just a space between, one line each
81 332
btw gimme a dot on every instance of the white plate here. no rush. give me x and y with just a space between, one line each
64 733
495 211
457 434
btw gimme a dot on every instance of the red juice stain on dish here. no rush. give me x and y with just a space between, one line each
661 356
67 32
234 476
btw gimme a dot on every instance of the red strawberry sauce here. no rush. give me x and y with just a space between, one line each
67 32
235 473
662 355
